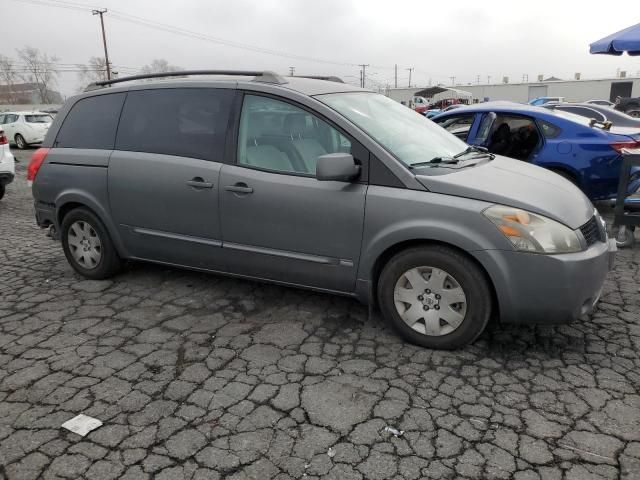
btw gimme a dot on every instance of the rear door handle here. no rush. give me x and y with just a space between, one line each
239 187
198 182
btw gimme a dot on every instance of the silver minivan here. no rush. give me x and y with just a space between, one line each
321 185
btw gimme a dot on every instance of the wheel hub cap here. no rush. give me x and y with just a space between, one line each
84 244
430 301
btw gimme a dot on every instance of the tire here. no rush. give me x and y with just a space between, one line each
625 237
20 142
88 246
455 273
3 189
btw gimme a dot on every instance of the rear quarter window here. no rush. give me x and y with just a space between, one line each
549 130
91 123
186 122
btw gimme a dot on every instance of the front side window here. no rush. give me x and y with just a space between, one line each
275 135
185 122
407 135
91 123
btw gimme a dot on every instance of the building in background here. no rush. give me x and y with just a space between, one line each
572 90
25 93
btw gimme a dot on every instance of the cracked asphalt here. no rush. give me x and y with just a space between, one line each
203 377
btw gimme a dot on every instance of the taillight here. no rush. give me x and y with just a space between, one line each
36 162
618 146
3 138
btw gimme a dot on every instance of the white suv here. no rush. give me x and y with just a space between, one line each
7 163
25 128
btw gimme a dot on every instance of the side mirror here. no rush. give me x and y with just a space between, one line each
338 167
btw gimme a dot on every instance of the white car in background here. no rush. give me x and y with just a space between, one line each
7 164
25 128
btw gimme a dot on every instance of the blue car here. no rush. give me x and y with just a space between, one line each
587 153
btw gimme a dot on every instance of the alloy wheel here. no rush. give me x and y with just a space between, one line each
84 244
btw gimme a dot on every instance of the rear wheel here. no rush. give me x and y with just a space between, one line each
20 142
3 188
87 245
435 297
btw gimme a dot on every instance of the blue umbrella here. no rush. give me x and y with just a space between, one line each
627 40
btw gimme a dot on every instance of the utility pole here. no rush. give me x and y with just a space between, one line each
363 73
410 70
292 70
453 81
396 83
488 78
478 80
104 40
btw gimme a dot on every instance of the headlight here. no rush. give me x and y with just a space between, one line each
530 232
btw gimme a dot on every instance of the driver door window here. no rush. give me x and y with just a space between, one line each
281 137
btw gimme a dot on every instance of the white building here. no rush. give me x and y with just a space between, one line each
571 90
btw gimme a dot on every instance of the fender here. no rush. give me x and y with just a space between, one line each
88 200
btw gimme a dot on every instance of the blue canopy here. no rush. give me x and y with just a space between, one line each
627 40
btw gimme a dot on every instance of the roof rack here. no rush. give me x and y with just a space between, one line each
329 78
266 76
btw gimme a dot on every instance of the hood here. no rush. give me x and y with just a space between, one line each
517 184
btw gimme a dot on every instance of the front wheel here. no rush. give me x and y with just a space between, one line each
435 297
20 142
87 245
625 237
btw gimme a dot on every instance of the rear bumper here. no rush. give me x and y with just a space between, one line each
548 289
45 214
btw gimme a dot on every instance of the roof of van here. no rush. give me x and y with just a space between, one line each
306 86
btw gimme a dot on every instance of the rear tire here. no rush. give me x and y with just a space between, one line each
435 297
3 189
88 246
20 142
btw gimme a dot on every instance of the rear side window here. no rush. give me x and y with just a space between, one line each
187 122
38 118
548 129
91 123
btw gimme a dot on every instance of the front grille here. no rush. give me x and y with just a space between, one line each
591 231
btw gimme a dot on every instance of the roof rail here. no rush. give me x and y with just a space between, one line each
266 76
329 78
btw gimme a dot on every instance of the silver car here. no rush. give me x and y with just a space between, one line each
321 185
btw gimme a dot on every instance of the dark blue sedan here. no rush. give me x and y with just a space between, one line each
587 153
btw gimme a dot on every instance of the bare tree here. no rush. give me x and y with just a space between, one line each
9 77
94 71
39 69
160 65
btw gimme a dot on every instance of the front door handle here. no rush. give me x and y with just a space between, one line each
198 182
239 187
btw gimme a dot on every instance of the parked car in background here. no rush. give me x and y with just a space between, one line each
420 105
450 235
598 112
587 155
25 128
7 164
604 103
629 105
432 112
542 100
453 107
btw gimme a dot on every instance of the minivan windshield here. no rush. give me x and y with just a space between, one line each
406 134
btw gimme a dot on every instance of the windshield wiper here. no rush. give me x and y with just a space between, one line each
474 148
436 161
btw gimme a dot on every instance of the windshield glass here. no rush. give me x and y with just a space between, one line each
407 135
38 118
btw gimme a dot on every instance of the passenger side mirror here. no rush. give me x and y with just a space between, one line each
338 167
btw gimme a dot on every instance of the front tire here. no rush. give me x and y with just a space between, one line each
87 245
20 142
435 297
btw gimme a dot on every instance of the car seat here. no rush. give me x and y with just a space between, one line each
500 140
306 148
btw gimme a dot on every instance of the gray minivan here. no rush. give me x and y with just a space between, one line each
321 185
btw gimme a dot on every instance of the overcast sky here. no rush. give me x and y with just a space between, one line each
463 38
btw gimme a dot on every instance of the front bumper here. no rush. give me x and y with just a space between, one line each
548 289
